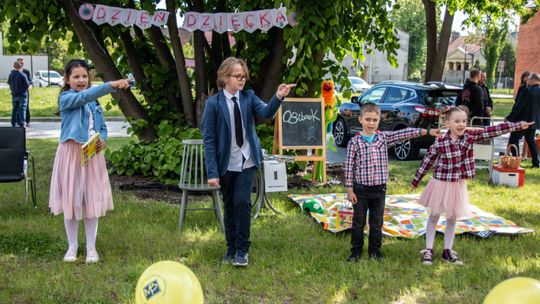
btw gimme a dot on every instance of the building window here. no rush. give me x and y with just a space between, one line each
466 65
458 66
451 66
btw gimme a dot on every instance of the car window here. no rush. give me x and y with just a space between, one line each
441 98
54 74
396 95
356 80
374 95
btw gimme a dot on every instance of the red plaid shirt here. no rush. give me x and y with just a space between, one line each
367 162
455 158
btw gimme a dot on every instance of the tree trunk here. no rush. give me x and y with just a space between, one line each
436 49
430 8
314 86
128 104
167 62
134 63
442 48
180 61
266 84
201 82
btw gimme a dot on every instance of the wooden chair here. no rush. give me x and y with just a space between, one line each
193 178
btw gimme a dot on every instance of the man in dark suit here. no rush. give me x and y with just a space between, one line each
29 76
233 151
527 108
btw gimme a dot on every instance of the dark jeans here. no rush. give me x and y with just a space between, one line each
529 138
236 190
18 114
368 198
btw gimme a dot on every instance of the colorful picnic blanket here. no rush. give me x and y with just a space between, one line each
403 216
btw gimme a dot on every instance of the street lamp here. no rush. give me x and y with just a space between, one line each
465 53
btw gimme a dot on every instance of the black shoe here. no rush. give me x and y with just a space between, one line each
378 256
535 166
450 256
427 256
227 259
229 256
241 259
353 258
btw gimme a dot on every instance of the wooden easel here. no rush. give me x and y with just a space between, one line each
278 139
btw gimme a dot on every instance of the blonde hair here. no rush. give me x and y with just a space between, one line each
449 111
226 67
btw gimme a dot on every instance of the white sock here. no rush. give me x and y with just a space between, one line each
72 230
90 227
449 233
431 230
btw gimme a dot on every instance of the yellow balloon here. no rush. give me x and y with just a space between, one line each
516 290
168 282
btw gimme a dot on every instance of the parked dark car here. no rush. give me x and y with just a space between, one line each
403 104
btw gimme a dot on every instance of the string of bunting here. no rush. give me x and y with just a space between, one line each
220 22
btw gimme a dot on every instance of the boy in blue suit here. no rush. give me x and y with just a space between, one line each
233 150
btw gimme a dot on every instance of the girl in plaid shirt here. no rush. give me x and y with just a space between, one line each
446 191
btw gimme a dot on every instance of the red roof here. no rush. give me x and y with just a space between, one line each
470 47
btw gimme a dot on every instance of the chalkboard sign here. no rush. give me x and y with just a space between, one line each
301 123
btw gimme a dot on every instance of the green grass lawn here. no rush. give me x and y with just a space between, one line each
292 260
44 103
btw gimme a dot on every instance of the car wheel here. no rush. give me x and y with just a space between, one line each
405 150
340 132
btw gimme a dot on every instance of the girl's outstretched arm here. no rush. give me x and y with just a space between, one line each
427 163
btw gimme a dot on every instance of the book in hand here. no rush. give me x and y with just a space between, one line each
89 149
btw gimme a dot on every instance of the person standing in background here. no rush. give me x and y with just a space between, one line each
18 84
522 84
488 102
29 76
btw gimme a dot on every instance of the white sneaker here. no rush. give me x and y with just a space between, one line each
71 254
92 256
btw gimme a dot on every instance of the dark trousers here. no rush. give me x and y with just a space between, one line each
529 138
28 109
18 113
368 198
236 190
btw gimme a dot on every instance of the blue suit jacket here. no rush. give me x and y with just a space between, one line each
527 107
216 129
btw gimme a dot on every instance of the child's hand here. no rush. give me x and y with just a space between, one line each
351 196
435 132
214 182
284 89
525 125
120 84
100 146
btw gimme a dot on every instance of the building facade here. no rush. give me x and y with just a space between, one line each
528 48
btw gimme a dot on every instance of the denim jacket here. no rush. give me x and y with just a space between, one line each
75 108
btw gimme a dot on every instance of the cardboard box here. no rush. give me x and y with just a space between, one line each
508 177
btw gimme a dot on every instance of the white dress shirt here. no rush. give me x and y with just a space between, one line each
235 162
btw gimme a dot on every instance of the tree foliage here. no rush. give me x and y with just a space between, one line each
437 41
174 95
494 41
409 16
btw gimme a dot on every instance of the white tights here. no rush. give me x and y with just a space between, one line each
90 227
449 233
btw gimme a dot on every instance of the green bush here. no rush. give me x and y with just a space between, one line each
160 159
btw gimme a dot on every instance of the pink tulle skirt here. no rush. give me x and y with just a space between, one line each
446 198
79 192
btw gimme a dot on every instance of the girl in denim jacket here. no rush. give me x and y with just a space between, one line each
77 191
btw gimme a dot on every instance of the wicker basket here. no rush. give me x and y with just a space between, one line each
509 161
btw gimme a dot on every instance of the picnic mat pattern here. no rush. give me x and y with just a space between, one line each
404 217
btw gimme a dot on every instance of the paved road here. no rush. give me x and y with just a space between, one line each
51 129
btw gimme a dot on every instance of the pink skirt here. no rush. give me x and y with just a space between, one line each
79 192
450 199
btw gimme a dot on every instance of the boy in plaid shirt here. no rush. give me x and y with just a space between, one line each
366 175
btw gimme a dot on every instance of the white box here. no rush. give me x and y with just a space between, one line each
508 177
275 176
